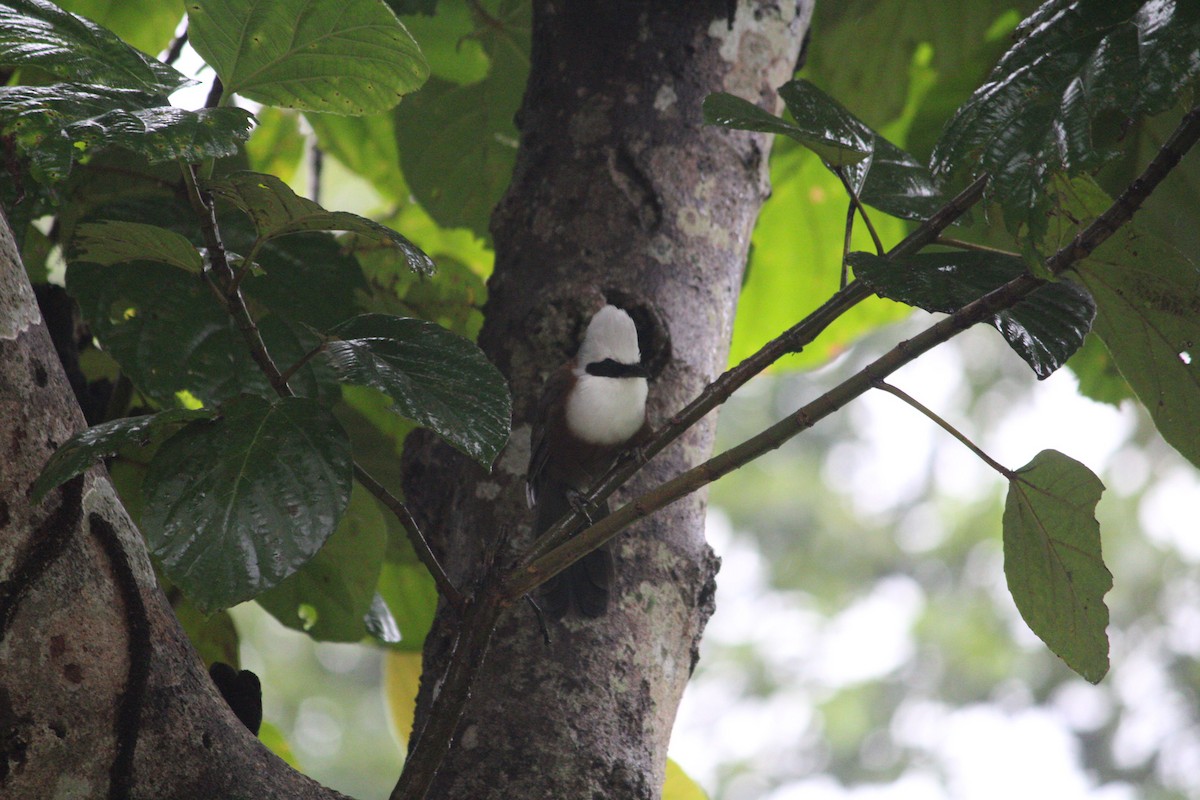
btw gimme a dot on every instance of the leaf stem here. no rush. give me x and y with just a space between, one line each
982 248
862 211
946 426
846 246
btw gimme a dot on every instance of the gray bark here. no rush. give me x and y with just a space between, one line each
84 630
620 193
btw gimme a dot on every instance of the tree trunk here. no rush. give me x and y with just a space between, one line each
620 193
101 694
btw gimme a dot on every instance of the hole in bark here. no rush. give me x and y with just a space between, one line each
39 374
653 338
206 740
59 729
73 673
4 517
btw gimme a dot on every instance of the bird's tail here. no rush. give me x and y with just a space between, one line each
584 586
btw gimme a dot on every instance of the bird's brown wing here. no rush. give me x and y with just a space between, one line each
553 397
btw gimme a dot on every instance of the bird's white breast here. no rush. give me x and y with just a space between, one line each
606 411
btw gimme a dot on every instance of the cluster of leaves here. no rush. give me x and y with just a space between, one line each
1049 114
244 490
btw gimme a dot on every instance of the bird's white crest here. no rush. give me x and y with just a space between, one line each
610 334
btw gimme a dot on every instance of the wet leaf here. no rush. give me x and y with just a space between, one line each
235 505
1053 562
111 242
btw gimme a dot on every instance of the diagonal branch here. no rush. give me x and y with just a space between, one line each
792 340
548 562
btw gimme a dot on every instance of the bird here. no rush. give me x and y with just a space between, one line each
591 409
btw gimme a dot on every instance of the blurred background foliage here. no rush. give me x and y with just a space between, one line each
865 644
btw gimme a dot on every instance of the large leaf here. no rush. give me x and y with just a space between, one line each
107 439
236 505
344 56
330 596
367 146
881 174
36 33
458 143
821 130
436 378
1052 559
167 332
1148 315
57 125
112 242
1064 93
277 211
678 785
1044 329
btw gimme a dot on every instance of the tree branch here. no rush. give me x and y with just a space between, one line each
546 564
791 341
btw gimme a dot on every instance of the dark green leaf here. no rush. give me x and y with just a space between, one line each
452 41
107 439
330 596
833 143
169 334
1052 559
1098 376
347 57
213 635
58 124
36 33
1044 329
1148 314
882 174
1061 96
310 280
236 505
412 599
278 211
436 378
117 242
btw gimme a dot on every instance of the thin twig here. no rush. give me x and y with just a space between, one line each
176 47
862 211
288 373
946 426
981 248
546 564
846 246
420 545
214 93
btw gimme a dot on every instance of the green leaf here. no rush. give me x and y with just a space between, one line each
148 25
436 378
1061 97
58 124
1044 329
458 143
1098 376
330 596
343 56
895 182
111 242
276 146
679 785
107 439
450 40
214 636
1052 559
277 211
35 33
824 133
236 505
1148 314
167 332
412 598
